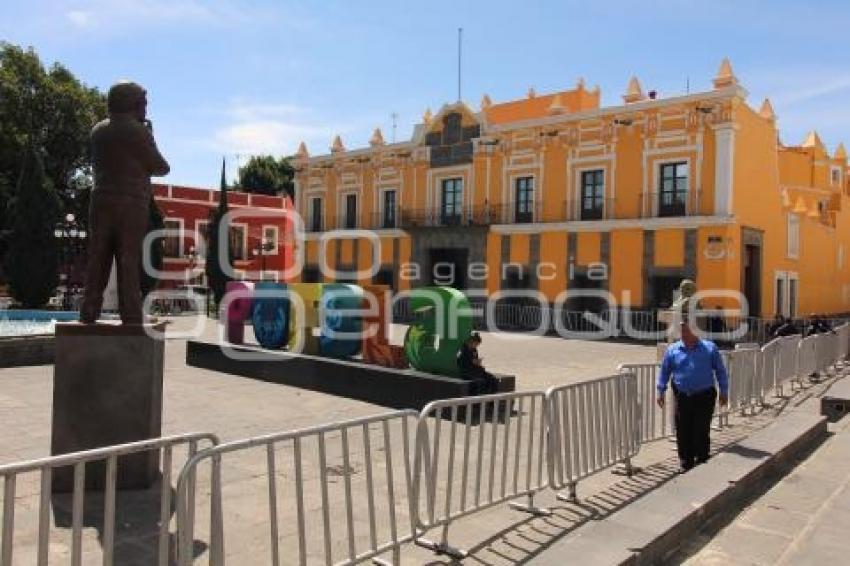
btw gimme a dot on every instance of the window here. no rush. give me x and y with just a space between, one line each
315 214
779 294
792 296
451 128
269 240
673 189
350 212
593 194
173 241
793 236
524 202
388 219
237 242
835 175
452 201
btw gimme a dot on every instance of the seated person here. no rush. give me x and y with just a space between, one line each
470 368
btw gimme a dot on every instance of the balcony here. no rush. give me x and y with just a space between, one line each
645 206
478 216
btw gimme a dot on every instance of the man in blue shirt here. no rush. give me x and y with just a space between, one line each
690 366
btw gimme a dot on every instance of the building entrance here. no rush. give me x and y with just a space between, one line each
448 267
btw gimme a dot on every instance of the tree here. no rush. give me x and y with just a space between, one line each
155 222
54 112
266 175
31 260
215 267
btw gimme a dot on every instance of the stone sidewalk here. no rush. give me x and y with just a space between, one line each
803 519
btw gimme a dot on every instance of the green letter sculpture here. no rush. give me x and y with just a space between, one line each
442 321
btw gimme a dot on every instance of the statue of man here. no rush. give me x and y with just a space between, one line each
125 157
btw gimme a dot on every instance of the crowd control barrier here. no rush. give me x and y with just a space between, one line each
592 426
482 451
654 423
325 528
786 370
742 367
110 456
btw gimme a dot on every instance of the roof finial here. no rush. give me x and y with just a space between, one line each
812 140
634 93
485 102
302 152
580 83
766 110
427 116
531 92
377 138
336 146
840 152
725 77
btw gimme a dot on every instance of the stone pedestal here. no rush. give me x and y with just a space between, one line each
107 389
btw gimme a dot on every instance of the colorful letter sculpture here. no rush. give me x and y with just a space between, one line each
377 348
442 321
301 327
238 309
337 298
270 314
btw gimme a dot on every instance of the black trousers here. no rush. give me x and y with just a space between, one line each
693 424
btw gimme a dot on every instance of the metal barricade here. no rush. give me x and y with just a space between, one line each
309 502
494 450
593 425
655 423
768 368
741 366
843 347
807 358
826 348
788 362
110 456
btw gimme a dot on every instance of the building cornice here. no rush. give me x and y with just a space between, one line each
658 223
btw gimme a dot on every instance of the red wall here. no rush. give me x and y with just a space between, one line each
193 205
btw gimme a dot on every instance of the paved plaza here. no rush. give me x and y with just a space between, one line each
236 407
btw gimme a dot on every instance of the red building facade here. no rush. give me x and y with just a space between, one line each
260 234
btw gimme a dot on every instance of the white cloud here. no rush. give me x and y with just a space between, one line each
116 15
80 18
277 129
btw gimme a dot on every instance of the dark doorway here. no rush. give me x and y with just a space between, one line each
583 303
661 290
448 267
752 278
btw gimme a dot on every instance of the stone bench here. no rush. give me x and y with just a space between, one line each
395 388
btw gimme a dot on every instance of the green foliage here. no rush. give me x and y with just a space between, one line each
214 266
266 175
155 222
31 260
50 109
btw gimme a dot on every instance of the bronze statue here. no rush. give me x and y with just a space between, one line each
125 157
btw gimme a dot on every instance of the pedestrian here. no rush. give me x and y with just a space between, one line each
470 366
691 366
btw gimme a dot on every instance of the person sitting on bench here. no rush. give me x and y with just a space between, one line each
470 368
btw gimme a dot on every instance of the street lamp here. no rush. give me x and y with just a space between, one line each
71 237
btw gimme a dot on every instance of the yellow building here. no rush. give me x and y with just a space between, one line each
554 192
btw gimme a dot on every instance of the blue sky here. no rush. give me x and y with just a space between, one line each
232 77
